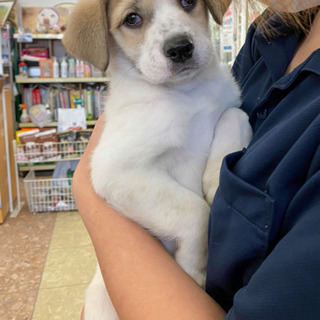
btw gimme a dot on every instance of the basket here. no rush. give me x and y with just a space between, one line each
52 193
48 195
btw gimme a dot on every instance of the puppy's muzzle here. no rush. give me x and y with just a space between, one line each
179 49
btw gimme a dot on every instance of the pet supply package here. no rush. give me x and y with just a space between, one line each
67 144
30 151
63 173
71 119
48 143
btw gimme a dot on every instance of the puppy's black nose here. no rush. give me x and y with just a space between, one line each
179 49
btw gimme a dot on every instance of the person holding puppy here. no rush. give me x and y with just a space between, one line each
264 231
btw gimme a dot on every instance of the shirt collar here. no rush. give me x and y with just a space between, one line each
277 53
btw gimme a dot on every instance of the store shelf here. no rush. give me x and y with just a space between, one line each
22 80
48 36
51 124
38 167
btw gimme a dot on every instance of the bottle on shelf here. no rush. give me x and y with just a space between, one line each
64 68
78 102
23 70
81 71
71 70
87 70
24 118
56 68
89 107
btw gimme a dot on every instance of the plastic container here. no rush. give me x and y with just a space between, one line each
23 70
56 68
24 118
81 70
78 68
87 70
64 68
34 72
71 70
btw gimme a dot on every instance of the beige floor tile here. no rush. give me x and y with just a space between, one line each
69 266
63 303
69 231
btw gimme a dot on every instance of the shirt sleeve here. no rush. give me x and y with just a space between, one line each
287 284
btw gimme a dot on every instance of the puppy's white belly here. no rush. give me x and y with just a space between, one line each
137 153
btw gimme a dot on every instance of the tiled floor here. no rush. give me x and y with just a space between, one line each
46 262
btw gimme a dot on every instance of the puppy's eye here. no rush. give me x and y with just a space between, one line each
133 20
188 4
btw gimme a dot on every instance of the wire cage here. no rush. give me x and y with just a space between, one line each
49 152
54 193
47 195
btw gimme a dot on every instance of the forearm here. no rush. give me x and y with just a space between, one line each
144 282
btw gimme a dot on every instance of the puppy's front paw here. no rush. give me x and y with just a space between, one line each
199 278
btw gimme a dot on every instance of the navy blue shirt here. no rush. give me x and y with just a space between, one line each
264 231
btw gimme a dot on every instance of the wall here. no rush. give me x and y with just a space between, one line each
39 3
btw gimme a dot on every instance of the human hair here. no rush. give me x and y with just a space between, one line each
300 22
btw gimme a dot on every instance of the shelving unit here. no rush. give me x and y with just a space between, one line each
51 41
51 193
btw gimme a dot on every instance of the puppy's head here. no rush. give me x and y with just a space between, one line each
163 40
49 17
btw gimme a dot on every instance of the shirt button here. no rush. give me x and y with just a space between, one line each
263 114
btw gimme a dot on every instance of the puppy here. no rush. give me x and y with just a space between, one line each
170 118
48 17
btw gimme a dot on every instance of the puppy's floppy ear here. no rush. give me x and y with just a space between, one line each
218 8
86 36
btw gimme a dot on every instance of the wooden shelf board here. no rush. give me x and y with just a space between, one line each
40 36
60 80
40 167
51 124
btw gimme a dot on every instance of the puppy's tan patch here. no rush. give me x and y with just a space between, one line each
130 39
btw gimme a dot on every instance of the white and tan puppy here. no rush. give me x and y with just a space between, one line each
170 113
48 17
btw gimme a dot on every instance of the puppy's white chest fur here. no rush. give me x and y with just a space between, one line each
167 130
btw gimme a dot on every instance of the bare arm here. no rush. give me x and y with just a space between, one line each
143 281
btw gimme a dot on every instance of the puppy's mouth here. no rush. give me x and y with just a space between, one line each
184 70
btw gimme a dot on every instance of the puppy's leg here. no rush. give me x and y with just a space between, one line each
233 133
181 215
158 203
98 305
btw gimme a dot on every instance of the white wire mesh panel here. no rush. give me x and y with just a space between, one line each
47 195
48 152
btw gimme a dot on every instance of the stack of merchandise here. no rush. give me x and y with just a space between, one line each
58 96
